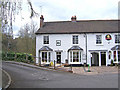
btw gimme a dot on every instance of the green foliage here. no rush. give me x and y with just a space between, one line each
20 57
112 62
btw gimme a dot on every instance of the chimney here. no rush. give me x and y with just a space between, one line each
73 18
41 21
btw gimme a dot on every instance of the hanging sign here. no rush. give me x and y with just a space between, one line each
108 37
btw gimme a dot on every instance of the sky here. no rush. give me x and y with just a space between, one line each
63 10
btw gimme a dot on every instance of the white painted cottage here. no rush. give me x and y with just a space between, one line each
95 42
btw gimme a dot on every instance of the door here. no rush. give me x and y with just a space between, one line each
58 56
95 59
103 58
118 56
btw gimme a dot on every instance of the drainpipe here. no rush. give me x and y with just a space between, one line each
86 46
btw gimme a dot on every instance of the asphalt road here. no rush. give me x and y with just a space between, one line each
26 77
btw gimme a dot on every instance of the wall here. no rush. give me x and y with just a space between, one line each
66 43
106 45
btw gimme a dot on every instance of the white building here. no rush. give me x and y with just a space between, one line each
95 42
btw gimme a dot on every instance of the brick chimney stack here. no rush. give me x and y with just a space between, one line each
41 21
73 18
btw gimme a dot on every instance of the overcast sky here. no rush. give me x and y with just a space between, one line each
63 10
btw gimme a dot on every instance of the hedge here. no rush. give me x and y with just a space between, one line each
21 57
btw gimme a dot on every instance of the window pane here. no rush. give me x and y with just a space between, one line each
80 56
119 56
75 56
117 38
49 56
75 39
114 55
46 40
71 56
44 56
98 39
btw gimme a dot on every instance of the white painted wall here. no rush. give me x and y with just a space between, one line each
106 45
66 43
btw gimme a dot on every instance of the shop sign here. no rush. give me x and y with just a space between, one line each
108 37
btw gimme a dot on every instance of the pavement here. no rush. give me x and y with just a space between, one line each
93 70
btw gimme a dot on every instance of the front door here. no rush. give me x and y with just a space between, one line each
58 56
95 59
103 58
118 56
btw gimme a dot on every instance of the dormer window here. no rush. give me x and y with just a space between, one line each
75 39
46 39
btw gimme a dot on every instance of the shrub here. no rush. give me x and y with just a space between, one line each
20 57
112 63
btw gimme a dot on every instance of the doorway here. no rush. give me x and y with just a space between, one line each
58 57
118 56
95 59
103 58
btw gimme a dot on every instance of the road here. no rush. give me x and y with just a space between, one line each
26 77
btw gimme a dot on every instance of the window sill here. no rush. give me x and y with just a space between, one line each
99 44
75 44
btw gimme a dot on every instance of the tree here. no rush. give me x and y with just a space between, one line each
8 10
26 41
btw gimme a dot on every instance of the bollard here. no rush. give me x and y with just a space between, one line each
54 64
89 68
39 61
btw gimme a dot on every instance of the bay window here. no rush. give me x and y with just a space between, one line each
46 56
75 56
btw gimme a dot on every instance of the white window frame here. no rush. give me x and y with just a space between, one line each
76 40
46 39
79 56
117 36
58 42
48 56
99 40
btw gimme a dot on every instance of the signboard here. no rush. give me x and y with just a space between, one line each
58 42
108 37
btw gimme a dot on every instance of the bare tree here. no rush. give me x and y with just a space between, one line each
8 11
